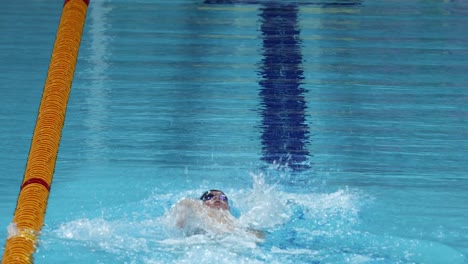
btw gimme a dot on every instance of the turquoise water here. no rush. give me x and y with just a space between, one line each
336 127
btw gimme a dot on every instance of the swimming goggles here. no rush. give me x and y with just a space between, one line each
208 196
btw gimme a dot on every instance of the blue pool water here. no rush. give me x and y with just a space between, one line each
339 128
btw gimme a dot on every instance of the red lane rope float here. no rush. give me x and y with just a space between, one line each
36 180
34 192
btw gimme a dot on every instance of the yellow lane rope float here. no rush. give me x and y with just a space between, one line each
34 192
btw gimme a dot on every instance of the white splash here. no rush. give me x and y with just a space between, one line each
12 230
150 238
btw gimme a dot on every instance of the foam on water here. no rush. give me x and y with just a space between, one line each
320 227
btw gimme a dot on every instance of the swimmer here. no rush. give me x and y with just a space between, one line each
210 214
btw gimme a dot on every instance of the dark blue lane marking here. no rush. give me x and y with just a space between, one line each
285 131
297 3
283 106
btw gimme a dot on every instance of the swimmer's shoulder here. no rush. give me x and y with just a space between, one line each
188 203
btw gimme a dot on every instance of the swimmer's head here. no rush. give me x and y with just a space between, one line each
215 199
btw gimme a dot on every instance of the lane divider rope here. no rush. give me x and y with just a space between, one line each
34 192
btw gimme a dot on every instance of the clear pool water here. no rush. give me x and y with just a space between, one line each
339 128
